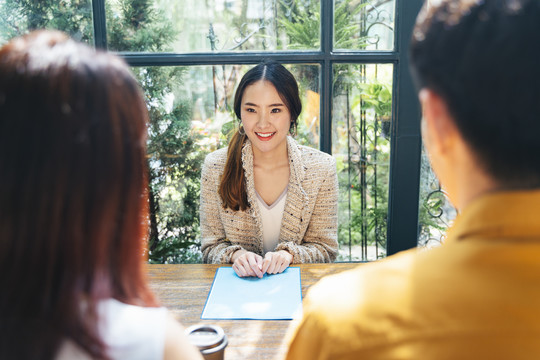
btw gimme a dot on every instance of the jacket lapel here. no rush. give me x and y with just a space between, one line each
247 163
297 198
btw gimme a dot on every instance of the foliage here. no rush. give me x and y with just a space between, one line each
303 27
174 162
363 201
348 34
20 16
377 96
134 25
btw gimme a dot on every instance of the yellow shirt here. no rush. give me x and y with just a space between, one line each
475 297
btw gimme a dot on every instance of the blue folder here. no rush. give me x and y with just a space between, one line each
273 297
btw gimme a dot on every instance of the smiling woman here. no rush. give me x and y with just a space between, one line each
265 195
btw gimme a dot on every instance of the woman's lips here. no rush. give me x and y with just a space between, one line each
265 136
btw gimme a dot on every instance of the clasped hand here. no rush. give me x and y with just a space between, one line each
246 263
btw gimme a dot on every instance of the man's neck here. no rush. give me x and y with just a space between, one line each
474 187
472 179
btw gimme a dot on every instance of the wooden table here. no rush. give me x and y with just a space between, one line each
184 288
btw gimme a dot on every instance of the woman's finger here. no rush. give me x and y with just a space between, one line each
283 262
283 266
243 266
270 262
287 259
252 261
238 270
247 267
273 264
266 262
259 260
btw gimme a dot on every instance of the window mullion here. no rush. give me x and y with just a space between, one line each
100 27
406 142
327 37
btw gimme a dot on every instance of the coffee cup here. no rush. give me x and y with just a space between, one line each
209 339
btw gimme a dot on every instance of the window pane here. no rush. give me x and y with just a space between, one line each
364 24
435 212
73 17
191 110
361 122
213 25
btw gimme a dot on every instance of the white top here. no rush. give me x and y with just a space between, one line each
271 220
130 332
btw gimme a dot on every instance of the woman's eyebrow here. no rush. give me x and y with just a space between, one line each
271 105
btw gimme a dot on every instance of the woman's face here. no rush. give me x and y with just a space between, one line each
265 118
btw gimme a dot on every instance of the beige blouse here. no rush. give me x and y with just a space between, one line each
309 224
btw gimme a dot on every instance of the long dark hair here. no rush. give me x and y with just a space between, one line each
232 188
73 207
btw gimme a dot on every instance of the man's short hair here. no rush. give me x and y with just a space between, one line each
483 58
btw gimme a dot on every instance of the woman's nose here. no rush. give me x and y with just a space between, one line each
263 120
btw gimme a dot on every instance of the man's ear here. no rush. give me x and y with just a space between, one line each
438 127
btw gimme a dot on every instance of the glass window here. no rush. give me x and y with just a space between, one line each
435 212
73 17
362 112
215 25
364 25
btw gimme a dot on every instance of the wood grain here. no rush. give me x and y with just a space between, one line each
184 288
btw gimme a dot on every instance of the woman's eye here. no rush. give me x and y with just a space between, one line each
276 110
250 110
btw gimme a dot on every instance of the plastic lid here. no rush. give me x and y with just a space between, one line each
205 336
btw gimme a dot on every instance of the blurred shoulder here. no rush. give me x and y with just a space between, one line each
347 312
373 287
177 345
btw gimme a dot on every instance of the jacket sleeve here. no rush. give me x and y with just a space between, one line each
215 247
320 240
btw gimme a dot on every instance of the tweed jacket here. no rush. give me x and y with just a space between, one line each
309 223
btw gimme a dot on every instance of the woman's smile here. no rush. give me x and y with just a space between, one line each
265 136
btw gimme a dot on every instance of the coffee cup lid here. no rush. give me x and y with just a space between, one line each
205 336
